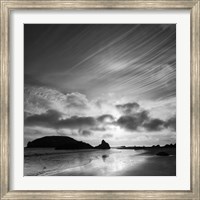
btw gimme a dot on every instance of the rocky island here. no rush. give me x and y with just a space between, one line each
64 142
103 145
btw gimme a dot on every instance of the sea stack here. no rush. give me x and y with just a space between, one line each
103 145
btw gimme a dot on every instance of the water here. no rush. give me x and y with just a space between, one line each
112 162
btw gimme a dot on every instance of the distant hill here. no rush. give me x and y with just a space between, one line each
63 142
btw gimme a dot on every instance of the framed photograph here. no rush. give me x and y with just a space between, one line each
100 99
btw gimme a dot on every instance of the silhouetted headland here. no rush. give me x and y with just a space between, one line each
103 145
64 142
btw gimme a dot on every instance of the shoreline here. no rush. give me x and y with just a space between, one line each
113 162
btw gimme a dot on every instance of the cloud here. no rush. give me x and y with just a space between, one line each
133 118
76 122
105 118
154 125
98 128
76 100
35 104
171 123
132 122
86 133
38 100
55 119
46 119
136 118
108 135
143 120
128 108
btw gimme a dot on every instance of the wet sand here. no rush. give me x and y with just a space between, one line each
113 162
144 164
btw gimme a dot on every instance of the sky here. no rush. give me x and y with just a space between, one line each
115 82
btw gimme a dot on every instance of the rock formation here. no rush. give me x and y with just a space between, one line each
103 145
64 142
58 142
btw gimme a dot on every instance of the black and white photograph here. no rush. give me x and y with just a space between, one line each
100 100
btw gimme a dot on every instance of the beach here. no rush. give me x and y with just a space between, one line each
111 162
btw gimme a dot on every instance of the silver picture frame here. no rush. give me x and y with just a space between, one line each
7 6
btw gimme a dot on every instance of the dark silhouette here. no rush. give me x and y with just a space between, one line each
63 142
103 145
145 147
162 153
158 150
58 142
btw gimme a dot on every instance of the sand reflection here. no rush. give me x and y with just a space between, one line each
113 162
